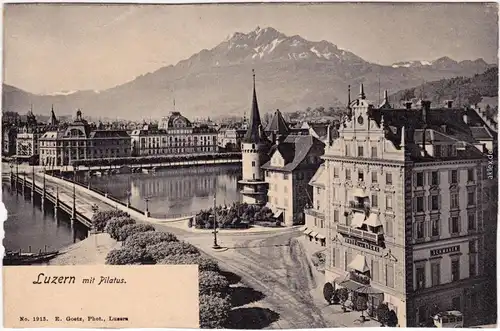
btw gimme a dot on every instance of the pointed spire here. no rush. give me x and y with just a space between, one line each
348 96
386 98
328 135
253 135
403 136
362 92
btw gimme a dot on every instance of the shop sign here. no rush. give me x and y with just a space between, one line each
446 250
362 244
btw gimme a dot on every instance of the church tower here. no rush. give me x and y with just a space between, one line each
254 151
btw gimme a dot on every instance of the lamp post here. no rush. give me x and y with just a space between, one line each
147 206
90 178
216 245
73 212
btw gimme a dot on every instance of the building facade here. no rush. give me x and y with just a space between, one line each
174 135
80 141
403 211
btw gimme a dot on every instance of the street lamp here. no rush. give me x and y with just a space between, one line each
147 206
216 245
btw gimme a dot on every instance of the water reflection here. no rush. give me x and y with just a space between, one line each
173 192
28 225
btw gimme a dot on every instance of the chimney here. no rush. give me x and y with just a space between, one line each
426 106
449 103
408 104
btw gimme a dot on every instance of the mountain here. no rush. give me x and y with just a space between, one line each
445 63
463 90
292 74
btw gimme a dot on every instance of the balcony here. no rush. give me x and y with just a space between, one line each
359 206
314 212
361 234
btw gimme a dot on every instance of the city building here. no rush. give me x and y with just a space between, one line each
254 151
294 160
315 226
229 138
174 135
9 137
80 141
320 130
27 139
409 196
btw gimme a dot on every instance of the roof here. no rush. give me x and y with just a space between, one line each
481 133
255 132
278 124
109 134
319 178
294 149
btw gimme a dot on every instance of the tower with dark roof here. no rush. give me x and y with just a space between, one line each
254 151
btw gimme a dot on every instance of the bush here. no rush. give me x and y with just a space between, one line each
328 292
126 255
115 224
392 319
204 263
211 282
149 238
127 230
214 311
383 313
343 294
100 218
162 250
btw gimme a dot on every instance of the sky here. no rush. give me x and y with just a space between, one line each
56 47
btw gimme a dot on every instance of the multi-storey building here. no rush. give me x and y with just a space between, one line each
293 161
315 226
28 135
174 135
229 138
9 137
80 141
406 208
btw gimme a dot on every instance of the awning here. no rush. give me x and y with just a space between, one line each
359 264
351 285
369 290
320 236
360 193
306 231
357 220
340 279
278 214
302 229
373 220
313 234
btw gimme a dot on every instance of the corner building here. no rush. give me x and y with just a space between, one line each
407 204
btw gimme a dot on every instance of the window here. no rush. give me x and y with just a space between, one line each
455 303
348 174
361 176
437 151
374 200
471 221
454 200
472 265
360 150
336 260
419 230
388 202
388 226
347 152
472 246
420 276
419 179
419 204
471 198
470 175
435 274
454 177
455 225
375 272
389 275
434 202
335 216
374 177
388 179
285 202
285 176
455 270
374 152
336 172
253 163
435 227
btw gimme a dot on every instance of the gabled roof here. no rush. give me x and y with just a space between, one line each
319 179
278 124
294 149
481 133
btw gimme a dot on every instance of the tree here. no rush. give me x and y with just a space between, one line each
343 296
328 292
214 311
101 218
361 304
204 263
114 225
127 230
144 239
162 250
382 313
211 282
125 256
392 319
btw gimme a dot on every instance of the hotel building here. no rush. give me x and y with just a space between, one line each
407 200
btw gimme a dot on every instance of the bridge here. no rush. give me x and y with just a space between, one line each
76 199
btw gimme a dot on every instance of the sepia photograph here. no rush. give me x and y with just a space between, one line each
322 164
